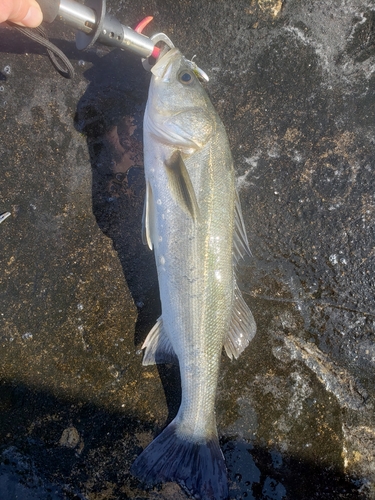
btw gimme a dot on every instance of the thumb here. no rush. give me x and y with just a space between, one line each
27 14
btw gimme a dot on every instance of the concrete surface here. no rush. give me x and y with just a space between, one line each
294 84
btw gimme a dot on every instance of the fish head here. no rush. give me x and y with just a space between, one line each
179 111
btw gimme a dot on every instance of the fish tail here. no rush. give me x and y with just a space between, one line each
198 466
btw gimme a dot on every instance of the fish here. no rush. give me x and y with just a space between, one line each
193 222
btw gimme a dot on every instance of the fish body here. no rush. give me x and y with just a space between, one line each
192 220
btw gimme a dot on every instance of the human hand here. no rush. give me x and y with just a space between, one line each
22 12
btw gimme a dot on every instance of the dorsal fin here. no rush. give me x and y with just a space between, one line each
240 242
242 327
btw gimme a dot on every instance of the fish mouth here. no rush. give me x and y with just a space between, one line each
163 66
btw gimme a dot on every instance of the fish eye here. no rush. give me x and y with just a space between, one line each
185 77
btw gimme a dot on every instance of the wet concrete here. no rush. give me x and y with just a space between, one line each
294 85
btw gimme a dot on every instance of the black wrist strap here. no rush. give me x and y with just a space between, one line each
57 57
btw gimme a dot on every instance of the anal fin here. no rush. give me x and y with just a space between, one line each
158 346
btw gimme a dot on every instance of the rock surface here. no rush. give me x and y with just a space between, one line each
294 82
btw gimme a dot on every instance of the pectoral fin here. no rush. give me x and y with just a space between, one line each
242 326
180 185
158 346
148 218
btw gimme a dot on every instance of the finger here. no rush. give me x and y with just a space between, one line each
22 12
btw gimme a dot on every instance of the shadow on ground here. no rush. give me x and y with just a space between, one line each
54 448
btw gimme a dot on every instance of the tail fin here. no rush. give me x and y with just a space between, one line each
198 467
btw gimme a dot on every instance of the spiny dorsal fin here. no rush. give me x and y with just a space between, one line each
180 185
242 327
240 242
148 218
158 346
